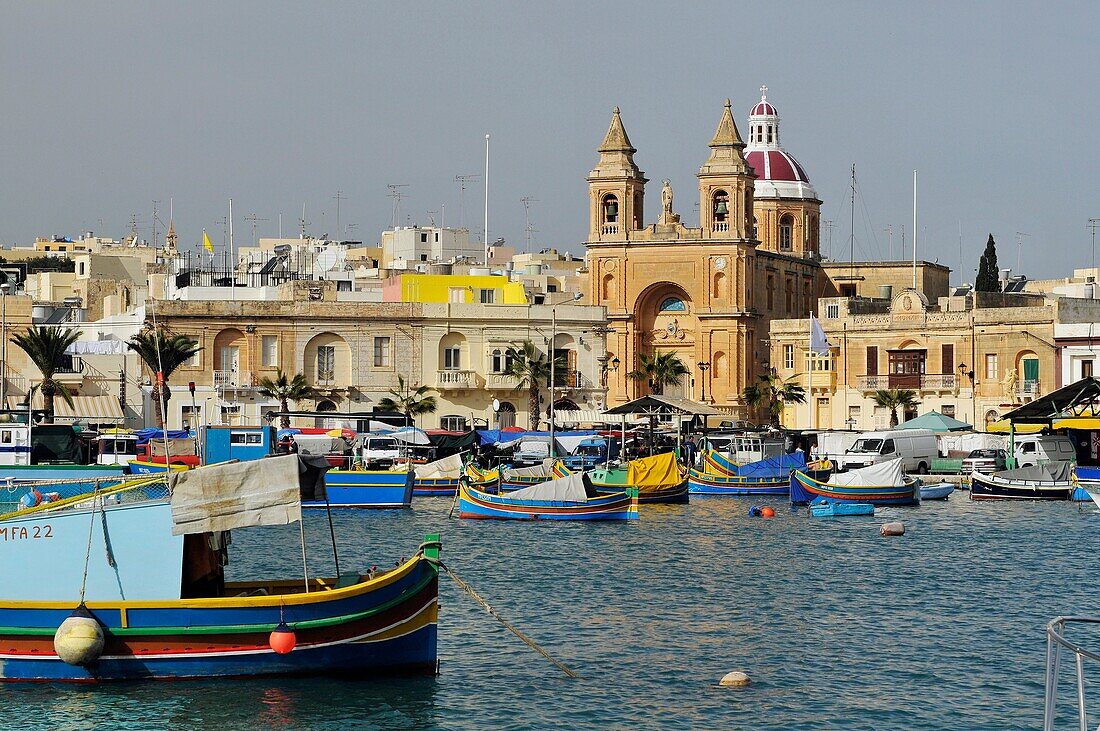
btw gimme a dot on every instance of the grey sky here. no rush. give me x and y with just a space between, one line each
107 107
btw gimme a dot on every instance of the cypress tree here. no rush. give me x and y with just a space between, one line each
988 279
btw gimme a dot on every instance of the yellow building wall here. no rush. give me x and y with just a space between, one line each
427 288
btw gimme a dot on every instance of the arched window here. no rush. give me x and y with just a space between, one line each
755 230
719 285
786 232
769 134
638 218
506 417
497 364
610 209
720 206
813 241
672 304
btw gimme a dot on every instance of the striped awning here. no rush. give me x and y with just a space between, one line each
84 408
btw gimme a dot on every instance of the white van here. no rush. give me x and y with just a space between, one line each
916 448
1033 449
379 452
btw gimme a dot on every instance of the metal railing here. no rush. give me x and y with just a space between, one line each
1056 644
232 379
872 383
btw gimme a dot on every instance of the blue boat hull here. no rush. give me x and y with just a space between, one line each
435 487
366 489
936 492
804 489
475 504
700 483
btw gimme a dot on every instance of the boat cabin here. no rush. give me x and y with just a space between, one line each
115 448
242 443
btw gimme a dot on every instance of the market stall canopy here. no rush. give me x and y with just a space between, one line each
1076 399
84 408
653 404
935 421
1004 427
579 416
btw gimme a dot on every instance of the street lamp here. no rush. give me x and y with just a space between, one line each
553 337
703 366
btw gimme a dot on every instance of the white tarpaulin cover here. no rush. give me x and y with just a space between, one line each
177 447
569 444
885 473
410 435
441 468
236 495
539 470
321 444
574 488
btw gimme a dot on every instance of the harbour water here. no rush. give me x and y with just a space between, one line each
838 627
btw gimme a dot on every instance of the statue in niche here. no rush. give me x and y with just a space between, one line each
1008 385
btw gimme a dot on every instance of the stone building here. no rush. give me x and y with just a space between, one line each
351 353
705 292
974 356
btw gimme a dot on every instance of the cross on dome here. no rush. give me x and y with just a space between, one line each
764 93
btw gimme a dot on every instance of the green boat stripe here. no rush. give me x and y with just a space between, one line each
237 628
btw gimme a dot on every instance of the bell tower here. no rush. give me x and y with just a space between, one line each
616 188
726 185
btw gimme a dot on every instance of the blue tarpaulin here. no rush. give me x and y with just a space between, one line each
780 466
144 435
497 436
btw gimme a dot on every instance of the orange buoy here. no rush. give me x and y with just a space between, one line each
282 639
766 512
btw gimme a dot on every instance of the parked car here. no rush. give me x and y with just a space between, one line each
984 460
379 452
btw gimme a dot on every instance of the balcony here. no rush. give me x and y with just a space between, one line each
1028 391
721 226
449 380
609 229
232 379
909 381
501 382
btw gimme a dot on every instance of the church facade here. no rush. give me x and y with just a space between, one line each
706 292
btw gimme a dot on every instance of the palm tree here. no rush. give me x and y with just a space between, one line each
410 403
893 399
162 352
659 370
285 389
772 391
46 347
531 369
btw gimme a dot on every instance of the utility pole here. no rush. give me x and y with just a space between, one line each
338 197
253 218
528 229
463 181
397 194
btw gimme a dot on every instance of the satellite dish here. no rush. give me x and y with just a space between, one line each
326 260
496 405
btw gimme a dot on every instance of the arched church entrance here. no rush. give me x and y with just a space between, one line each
667 324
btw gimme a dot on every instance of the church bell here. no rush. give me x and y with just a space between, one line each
721 209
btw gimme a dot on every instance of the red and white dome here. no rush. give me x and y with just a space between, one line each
778 174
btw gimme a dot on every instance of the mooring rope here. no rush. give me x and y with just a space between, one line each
88 552
508 625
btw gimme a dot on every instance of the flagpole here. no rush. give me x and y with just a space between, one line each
232 257
810 375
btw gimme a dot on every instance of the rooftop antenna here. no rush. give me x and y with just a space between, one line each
463 181
224 223
349 229
338 197
1092 224
253 218
828 226
302 223
914 229
1019 248
153 238
852 235
890 234
527 227
397 194
133 228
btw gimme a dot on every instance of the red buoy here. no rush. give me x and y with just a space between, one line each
766 512
282 639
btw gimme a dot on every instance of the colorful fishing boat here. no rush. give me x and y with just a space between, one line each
484 480
658 479
146 467
366 489
567 498
878 484
438 478
771 476
142 595
1052 481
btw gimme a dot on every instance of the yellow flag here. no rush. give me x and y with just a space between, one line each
206 242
